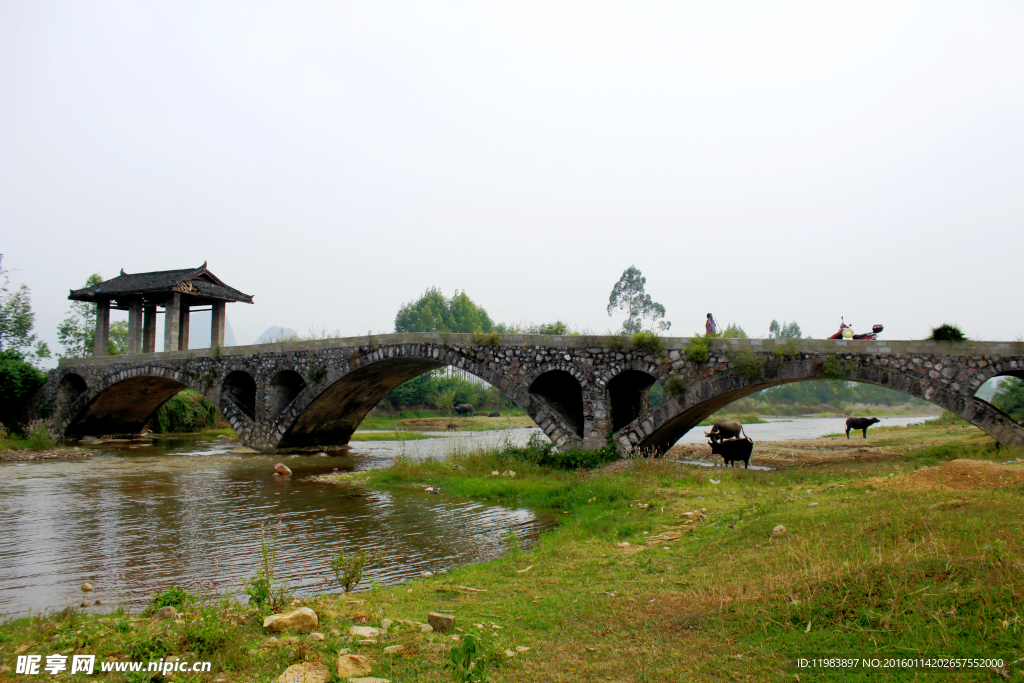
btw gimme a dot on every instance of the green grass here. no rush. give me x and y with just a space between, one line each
388 436
874 572
227 431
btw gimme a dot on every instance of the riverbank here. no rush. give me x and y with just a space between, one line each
660 572
28 454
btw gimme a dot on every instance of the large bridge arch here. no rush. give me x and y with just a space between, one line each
329 411
660 428
116 403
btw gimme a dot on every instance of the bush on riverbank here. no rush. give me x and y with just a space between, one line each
185 412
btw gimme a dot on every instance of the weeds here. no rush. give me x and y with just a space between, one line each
790 348
648 342
40 435
617 342
349 568
468 660
746 363
482 339
266 588
698 350
832 368
947 332
675 385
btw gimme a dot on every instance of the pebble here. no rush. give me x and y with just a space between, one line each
778 531
86 587
812 505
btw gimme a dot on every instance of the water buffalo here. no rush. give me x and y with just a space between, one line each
733 450
861 423
725 430
464 409
494 414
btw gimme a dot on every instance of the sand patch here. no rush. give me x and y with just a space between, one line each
956 475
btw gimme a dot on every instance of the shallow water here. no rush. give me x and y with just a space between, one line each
132 521
794 429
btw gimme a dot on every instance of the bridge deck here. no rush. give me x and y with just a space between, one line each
912 346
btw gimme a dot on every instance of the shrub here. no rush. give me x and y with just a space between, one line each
697 350
349 569
18 382
616 342
675 385
187 411
648 342
947 332
832 368
266 588
745 363
482 339
172 597
40 435
790 348
536 452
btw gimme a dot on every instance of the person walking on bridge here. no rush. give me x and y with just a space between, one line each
711 326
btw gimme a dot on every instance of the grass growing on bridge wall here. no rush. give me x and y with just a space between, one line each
659 572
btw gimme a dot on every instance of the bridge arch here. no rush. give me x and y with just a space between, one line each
659 429
284 388
560 394
330 411
628 396
239 390
122 402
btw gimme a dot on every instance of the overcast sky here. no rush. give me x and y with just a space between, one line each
793 160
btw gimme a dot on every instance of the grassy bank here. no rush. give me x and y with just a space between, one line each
661 572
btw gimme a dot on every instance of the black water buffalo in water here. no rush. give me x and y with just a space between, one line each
725 430
733 450
861 423
464 409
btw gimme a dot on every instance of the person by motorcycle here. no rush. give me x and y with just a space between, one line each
846 332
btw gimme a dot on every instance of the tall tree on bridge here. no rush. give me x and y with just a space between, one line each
628 295
432 312
784 331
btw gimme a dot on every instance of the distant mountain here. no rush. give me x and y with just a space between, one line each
272 334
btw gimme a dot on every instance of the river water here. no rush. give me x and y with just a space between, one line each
135 520
132 520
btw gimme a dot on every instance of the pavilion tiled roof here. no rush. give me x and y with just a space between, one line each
198 282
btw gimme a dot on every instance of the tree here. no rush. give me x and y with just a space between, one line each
77 333
733 331
19 380
17 321
1009 398
444 400
784 331
432 312
628 295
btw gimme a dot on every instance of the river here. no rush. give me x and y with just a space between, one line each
133 519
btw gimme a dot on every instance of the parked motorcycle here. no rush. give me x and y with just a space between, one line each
846 332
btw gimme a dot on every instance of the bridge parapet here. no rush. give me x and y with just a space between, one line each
309 394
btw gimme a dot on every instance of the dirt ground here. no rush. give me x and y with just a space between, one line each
786 454
956 475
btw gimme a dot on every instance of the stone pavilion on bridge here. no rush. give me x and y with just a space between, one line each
177 292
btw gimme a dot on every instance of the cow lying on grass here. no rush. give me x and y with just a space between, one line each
725 430
861 423
733 450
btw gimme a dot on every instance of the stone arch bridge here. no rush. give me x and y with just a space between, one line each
578 389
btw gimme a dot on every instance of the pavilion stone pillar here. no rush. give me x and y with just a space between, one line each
148 329
172 317
135 325
217 325
102 338
183 327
